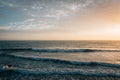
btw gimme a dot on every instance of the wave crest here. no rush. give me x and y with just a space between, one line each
58 50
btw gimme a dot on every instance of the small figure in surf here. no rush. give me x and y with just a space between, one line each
8 66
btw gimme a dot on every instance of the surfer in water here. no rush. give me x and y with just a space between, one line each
9 66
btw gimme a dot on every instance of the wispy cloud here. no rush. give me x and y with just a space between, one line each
43 14
4 28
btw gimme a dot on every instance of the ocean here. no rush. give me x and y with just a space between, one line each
60 60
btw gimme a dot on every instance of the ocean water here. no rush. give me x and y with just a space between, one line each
60 60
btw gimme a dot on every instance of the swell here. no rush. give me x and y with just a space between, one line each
58 50
29 72
63 61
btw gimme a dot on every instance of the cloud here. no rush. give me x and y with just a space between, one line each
4 28
44 14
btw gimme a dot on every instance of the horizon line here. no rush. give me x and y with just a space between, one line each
60 40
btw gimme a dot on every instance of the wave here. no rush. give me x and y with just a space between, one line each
15 49
64 61
23 71
29 72
58 50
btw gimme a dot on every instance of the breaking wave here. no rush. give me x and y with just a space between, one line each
58 50
64 61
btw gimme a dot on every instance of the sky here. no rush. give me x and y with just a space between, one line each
59 19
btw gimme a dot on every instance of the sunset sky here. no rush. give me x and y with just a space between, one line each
59 19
